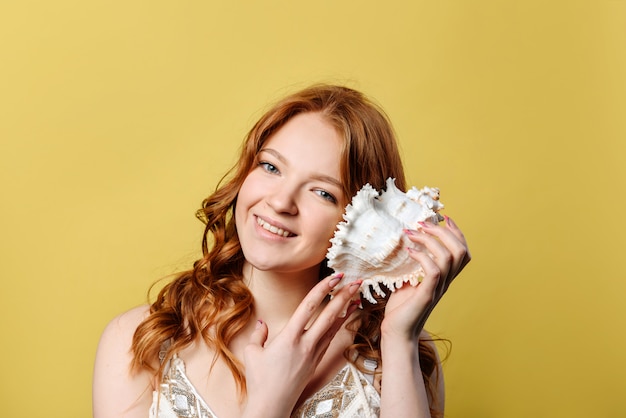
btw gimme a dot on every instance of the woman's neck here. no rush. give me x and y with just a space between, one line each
277 295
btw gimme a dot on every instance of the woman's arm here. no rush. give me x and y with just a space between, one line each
117 392
403 392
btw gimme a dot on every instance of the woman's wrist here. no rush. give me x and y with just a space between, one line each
400 349
397 334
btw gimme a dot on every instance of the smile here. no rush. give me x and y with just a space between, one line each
273 229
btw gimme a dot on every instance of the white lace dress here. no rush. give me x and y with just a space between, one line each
350 394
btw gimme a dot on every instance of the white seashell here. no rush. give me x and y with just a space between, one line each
369 243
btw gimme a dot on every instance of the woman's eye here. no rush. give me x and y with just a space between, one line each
327 196
270 168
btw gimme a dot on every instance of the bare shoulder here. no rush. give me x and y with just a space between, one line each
117 337
125 324
117 391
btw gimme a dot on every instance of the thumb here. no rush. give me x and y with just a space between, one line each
259 335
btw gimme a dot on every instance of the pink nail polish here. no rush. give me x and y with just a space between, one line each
335 280
354 286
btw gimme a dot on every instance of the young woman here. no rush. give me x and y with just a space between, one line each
251 330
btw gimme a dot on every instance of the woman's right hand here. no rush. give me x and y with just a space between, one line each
278 372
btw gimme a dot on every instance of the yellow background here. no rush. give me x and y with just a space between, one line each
118 117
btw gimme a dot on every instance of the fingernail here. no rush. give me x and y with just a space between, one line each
336 279
424 224
410 249
449 221
259 323
408 232
354 286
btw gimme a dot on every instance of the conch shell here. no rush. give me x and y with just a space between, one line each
370 244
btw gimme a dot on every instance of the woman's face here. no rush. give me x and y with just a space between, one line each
290 202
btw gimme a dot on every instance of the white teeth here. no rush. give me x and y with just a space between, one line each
272 228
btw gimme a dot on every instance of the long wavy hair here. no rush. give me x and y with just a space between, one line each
211 301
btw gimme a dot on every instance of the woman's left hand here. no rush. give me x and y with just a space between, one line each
444 255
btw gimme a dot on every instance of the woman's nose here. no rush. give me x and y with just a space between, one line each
283 200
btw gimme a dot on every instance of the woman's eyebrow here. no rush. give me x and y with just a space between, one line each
275 154
328 179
